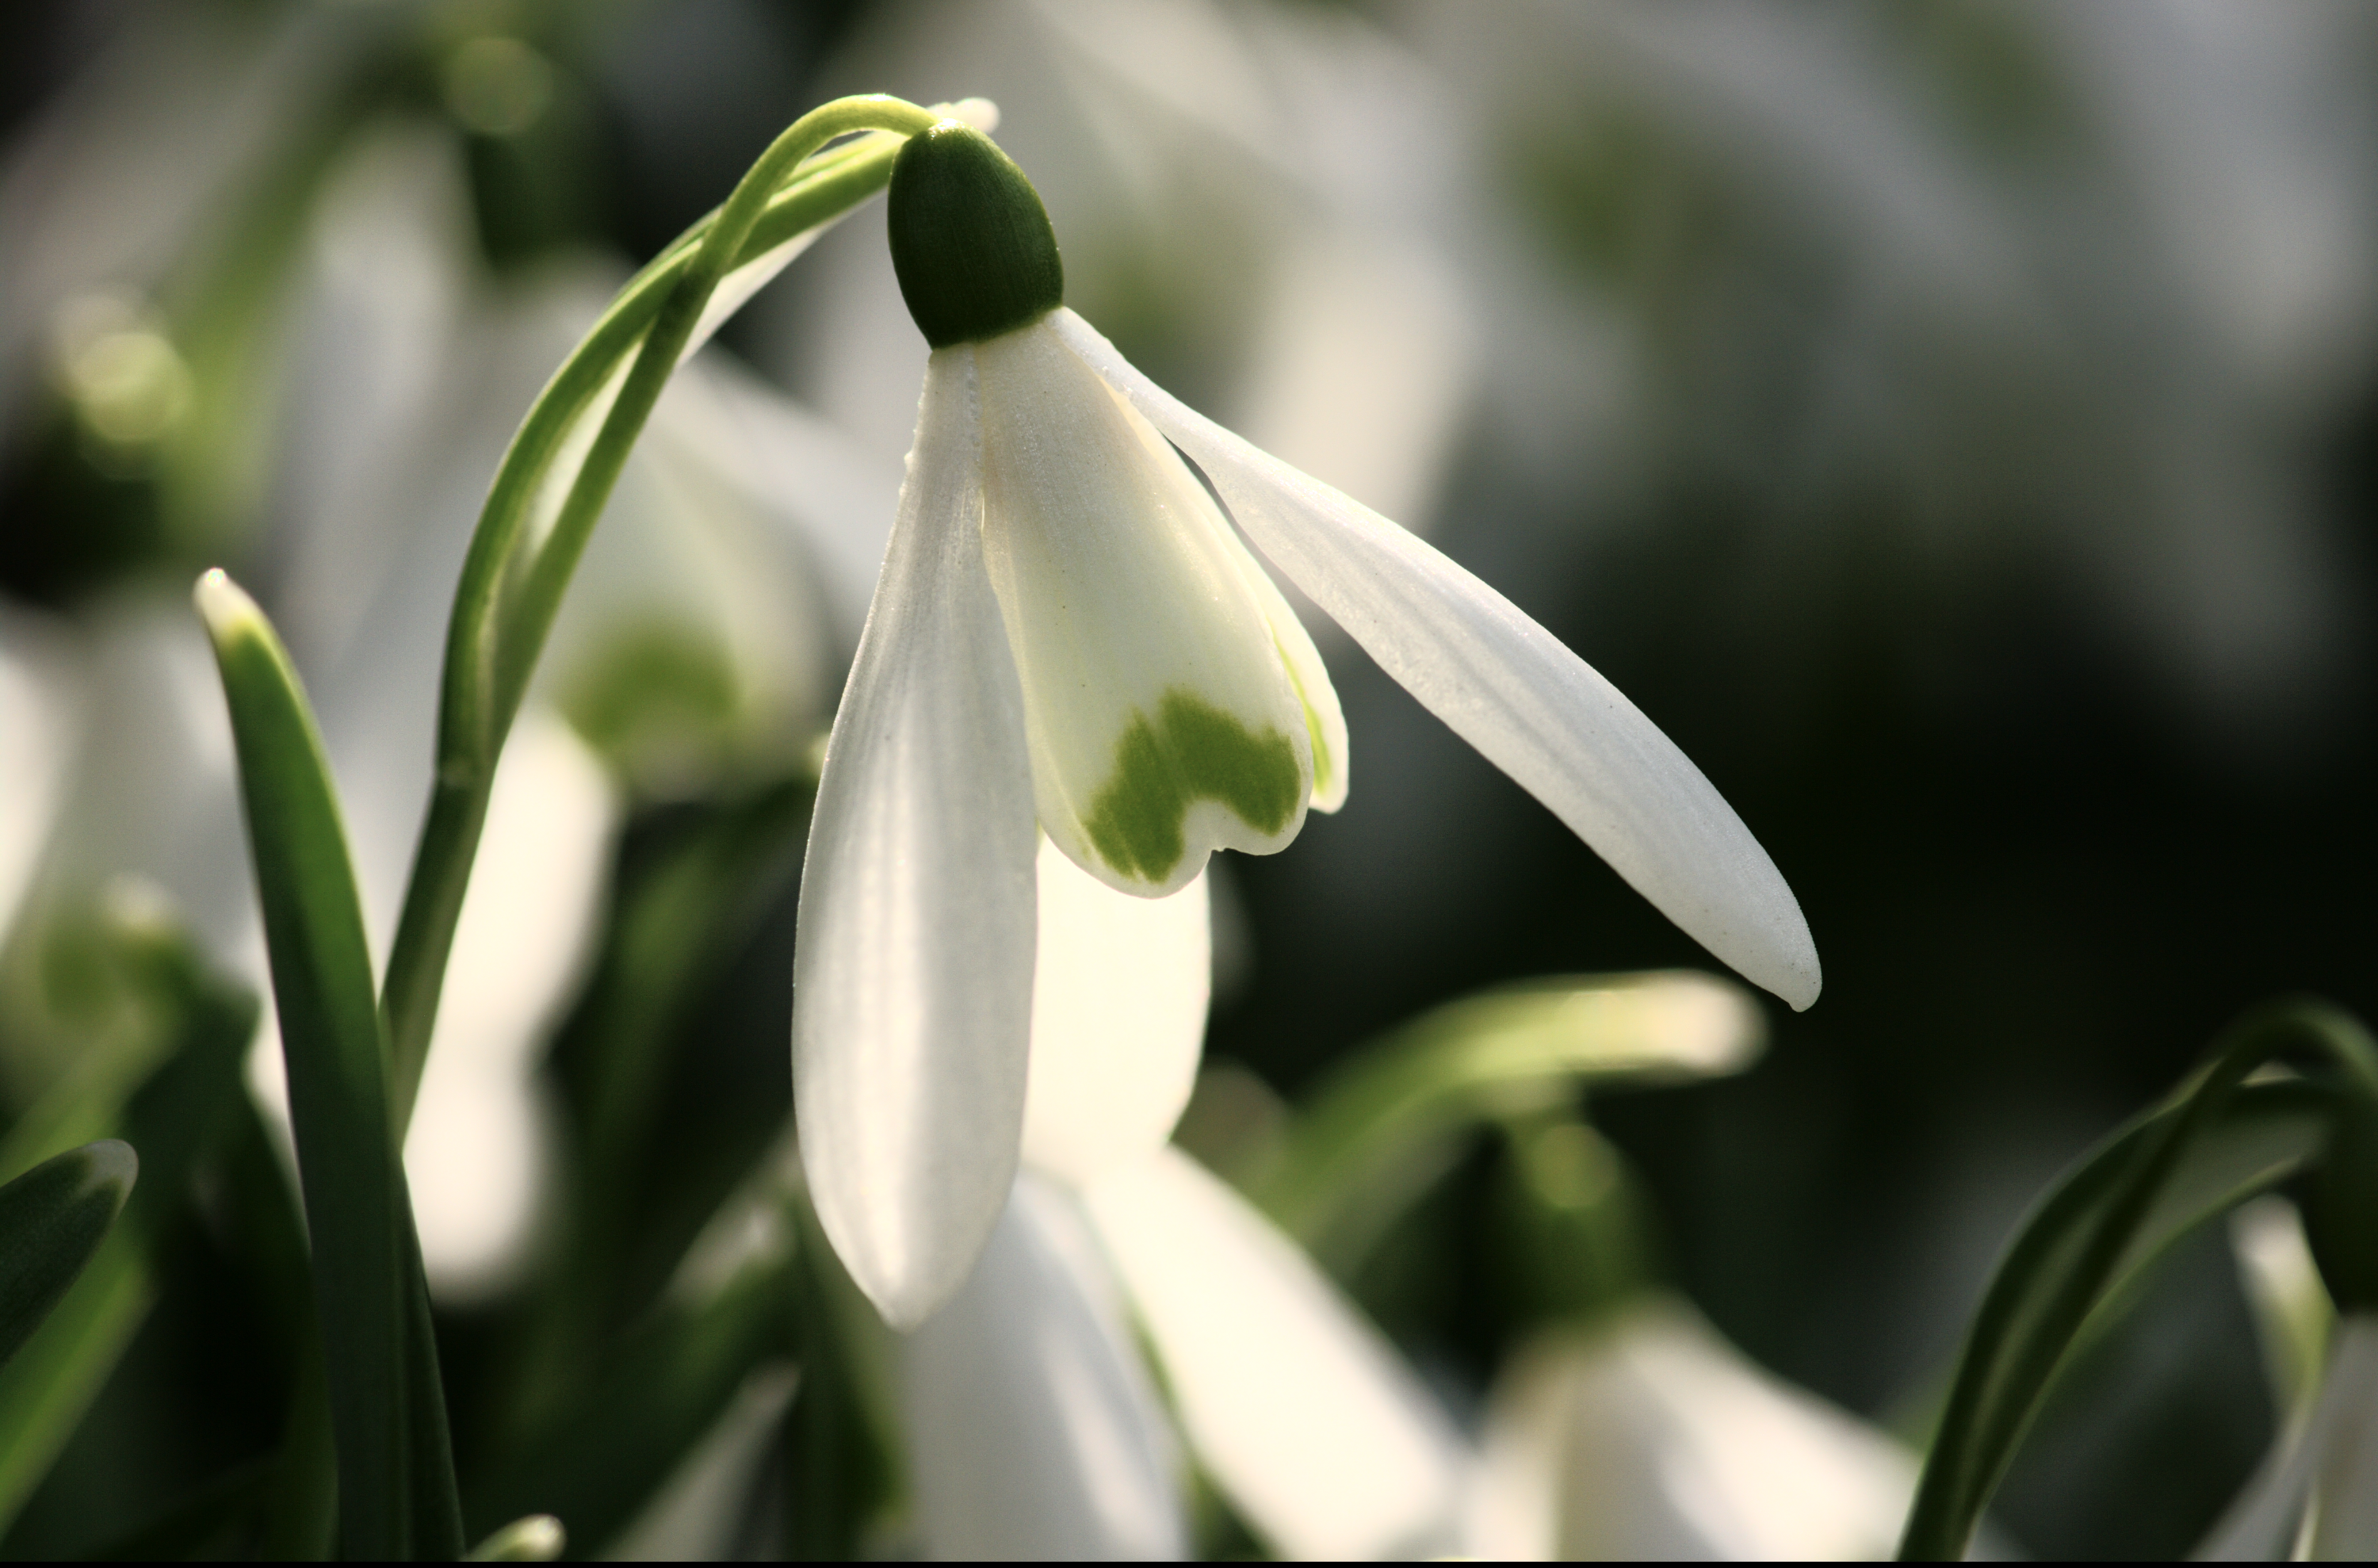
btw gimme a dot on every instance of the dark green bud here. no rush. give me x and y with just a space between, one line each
970 241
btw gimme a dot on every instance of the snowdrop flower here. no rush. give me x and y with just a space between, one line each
2316 1493
1034 1426
1068 632
1647 1436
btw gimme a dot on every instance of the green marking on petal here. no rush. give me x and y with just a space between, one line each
1193 752
1323 766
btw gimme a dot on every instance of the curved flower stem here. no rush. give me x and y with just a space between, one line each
2084 1239
513 579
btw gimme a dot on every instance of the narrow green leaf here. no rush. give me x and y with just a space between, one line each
211 1521
2216 1142
205 1024
1388 1123
611 1443
52 1219
48 1384
366 1258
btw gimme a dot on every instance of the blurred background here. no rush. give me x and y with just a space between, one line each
1955 423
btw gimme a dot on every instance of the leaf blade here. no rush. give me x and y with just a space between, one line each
365 1260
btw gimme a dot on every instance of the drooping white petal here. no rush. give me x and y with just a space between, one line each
1507 686
1032 1431
1118 993
1650 1437
1297 1407
912 997
1162 720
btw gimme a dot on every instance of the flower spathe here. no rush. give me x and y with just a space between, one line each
1070 636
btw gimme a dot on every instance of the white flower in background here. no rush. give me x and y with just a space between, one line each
400 378
1310 168
1033 1425
1069 632
2315 1494
1645 1435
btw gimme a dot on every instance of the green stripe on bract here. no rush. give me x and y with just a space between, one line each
1324 766
1193 752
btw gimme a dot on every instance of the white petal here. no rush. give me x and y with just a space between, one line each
1164 722
912 998
1032 1429
38 715
1118 993
1507 686
1297 1407
2345 1432
1650 1436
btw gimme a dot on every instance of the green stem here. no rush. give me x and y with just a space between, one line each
506 601
2029 1320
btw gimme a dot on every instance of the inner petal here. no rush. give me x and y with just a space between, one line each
1162 718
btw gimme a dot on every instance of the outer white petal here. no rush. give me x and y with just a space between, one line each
1032 1429
1118 993
912 998
1162 720
1297 1407
2345 1433
1507 686
1652 1438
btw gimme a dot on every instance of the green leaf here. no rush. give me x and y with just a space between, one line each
52 1220
1388 1123
395 1495
211 1521
2216 1142
843 1468
608 1445
206 1024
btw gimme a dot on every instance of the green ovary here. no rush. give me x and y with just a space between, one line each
1193 752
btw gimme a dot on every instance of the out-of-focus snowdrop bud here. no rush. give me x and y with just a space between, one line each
803 475
106 191
375 371
1647 1436
696 637
478 1151
39 725
1032 1429
1119 992
1300 1411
